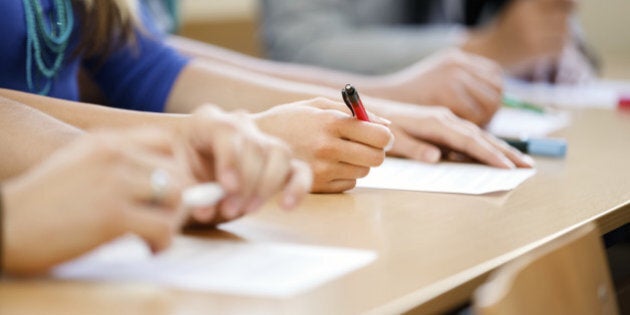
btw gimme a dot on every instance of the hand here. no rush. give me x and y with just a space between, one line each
250 166
573 67
470 86
421 132
525 31
97 188
338 148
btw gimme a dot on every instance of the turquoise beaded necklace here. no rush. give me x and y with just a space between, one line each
46 42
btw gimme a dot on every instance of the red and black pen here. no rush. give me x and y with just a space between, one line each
351 98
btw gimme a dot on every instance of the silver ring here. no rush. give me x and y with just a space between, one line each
160 180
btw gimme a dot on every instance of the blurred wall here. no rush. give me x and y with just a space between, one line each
233 24
606 24
607 29
228 23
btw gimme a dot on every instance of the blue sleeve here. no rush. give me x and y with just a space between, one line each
139 76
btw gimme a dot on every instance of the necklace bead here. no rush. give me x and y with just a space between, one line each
46 42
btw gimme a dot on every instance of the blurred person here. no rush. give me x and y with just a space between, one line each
533 39
467 84
99 186
136 70
470 85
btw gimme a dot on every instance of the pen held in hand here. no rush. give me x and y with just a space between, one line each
351 98
203 195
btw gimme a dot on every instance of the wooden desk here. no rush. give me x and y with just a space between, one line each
433 248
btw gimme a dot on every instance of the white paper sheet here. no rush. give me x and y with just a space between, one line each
601 93
518 123
445 177
232 267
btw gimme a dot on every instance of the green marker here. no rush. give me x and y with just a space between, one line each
518 104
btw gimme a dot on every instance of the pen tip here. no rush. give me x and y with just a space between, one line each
349 88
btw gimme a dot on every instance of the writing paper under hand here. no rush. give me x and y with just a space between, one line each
444 177
240 268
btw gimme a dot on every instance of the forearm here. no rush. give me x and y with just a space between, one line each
28 136
235 88
383 86
90 116
283 70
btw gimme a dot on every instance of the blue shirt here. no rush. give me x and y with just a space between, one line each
136 77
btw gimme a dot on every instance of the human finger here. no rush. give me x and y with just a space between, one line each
252 160
276 171
352 153
152 179
462 102
232 207
331 170
214 135
462 136
374 135
416 149
337 186
518 158
298 185
152 224
468 138
488 101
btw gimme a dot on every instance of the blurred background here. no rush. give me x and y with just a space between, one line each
233 24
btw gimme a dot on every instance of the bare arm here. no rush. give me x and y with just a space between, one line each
234 88
283 70
468 85
28 136
90 116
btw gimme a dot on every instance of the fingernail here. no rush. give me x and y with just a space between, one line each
507 162
390 144
254 205
202 214
230 180
432 155
382 120
232 206
289 201
528 160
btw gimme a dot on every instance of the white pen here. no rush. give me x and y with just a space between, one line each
202 195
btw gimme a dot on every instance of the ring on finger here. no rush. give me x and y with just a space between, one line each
160 182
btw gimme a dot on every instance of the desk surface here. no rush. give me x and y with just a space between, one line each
433 248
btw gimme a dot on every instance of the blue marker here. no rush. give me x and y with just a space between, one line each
553 147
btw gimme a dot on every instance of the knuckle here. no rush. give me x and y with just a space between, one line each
470 141
104 148
443 116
